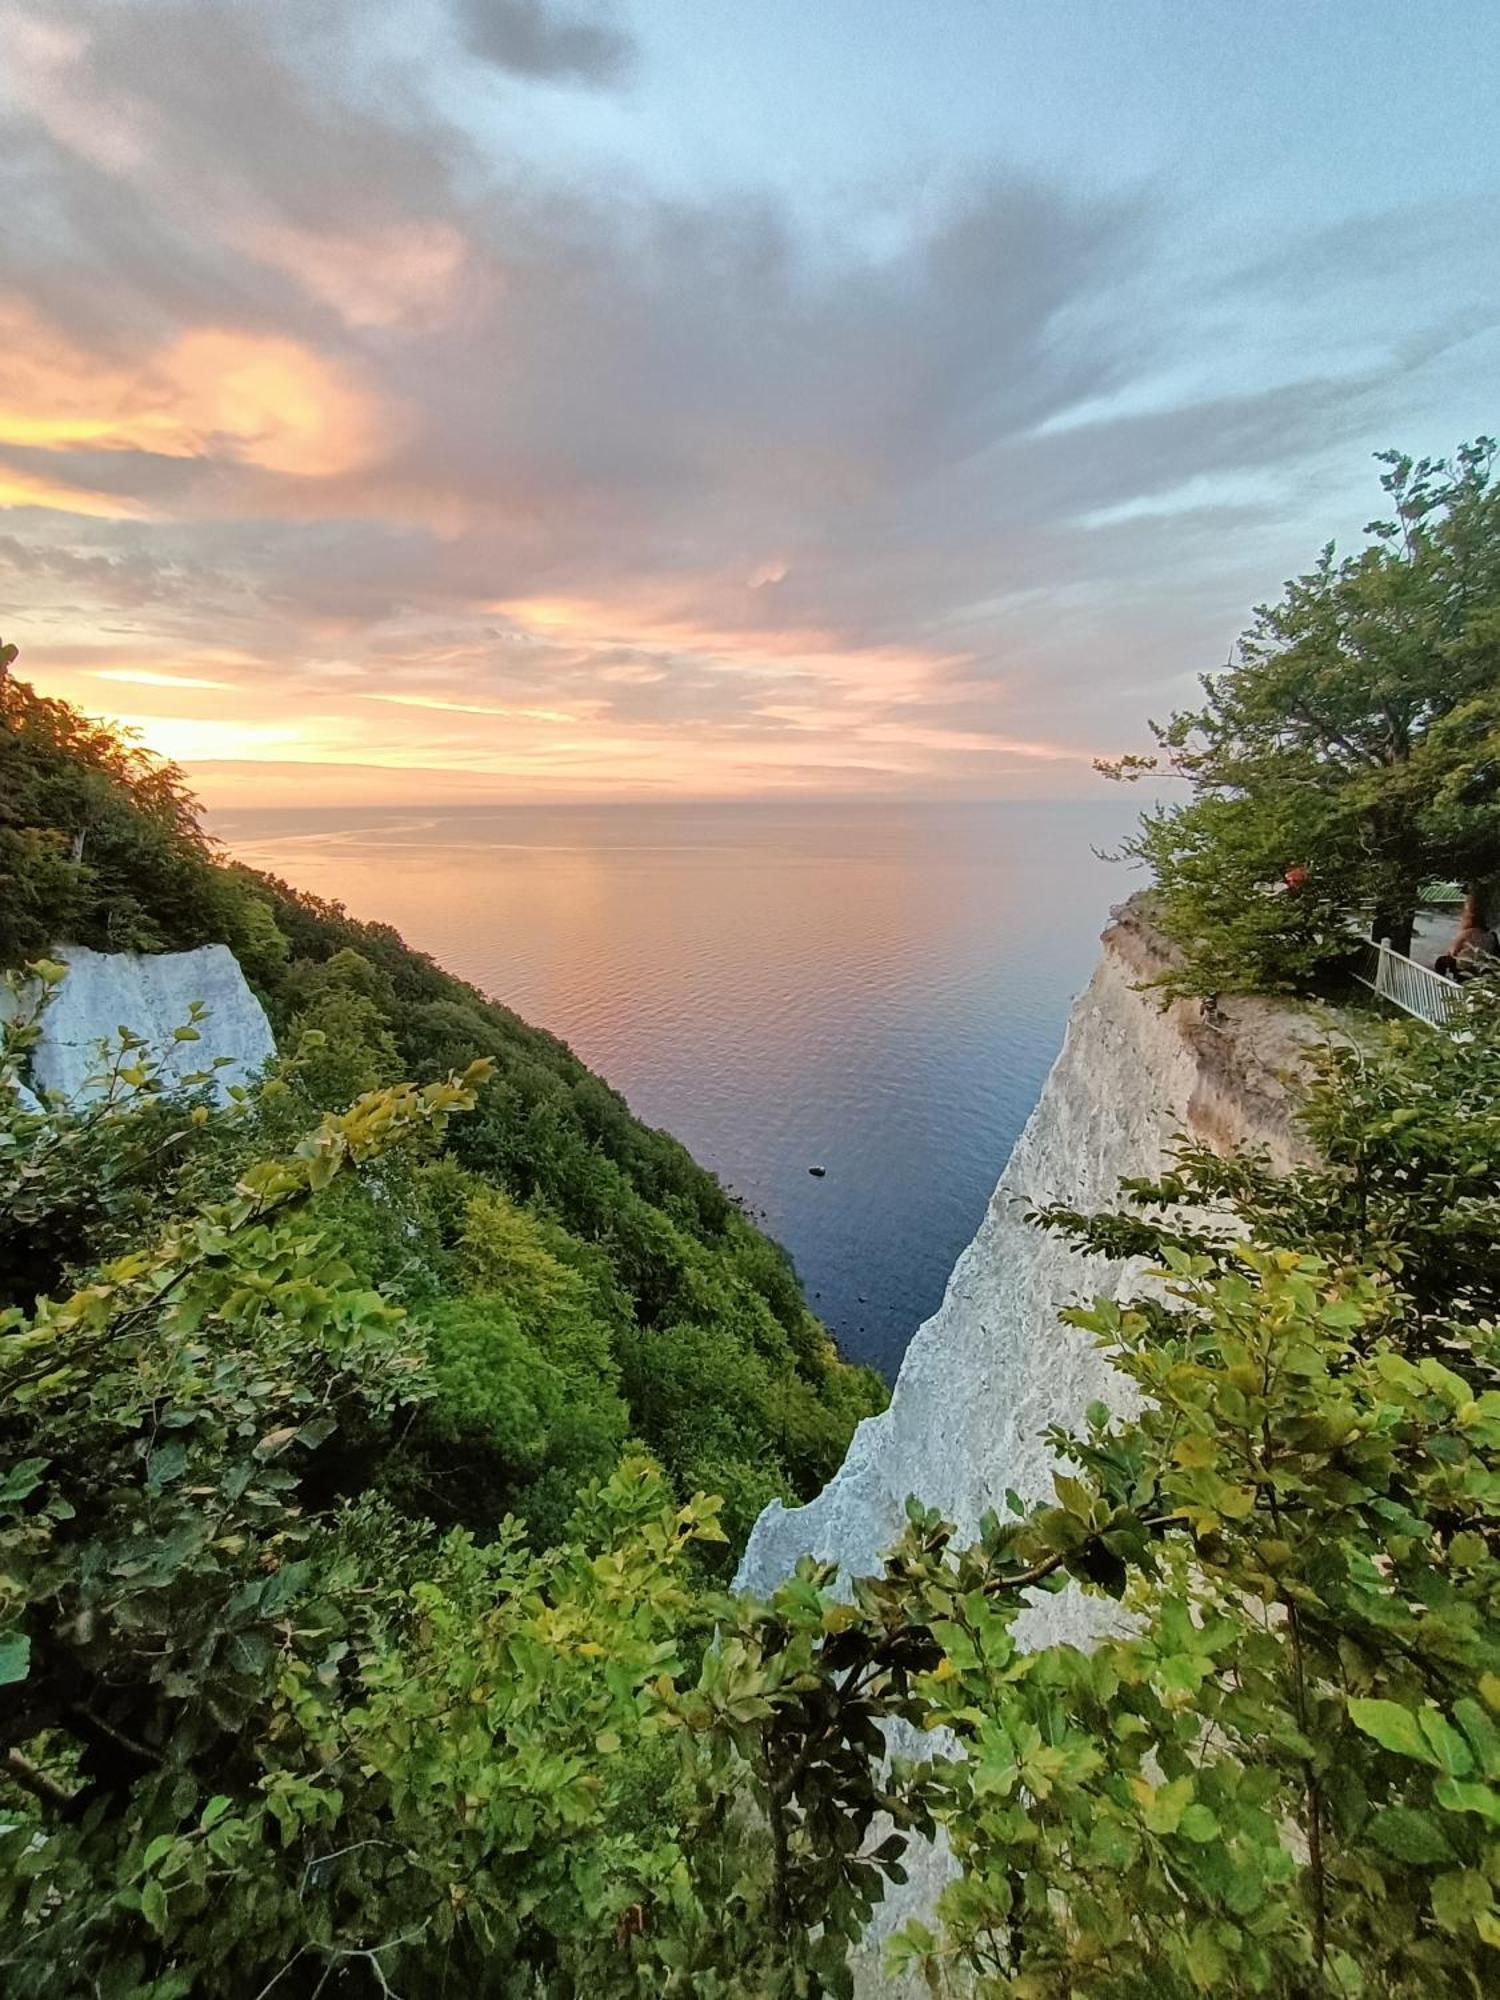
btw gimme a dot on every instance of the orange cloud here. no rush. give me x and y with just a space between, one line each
272 403
29 489
256 399
187 739
478 708
145 677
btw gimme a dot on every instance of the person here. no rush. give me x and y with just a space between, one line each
1476 949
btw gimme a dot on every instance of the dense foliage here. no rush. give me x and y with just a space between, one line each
263 1725
292 1706
1354 740
585 1281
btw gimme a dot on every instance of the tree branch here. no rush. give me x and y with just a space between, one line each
36 1781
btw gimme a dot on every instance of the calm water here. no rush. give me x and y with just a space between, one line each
876 990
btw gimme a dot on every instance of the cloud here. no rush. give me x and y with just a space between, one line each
577 43
20 487
246 398
591 487
143 677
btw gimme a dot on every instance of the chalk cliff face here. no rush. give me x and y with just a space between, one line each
992 1369
987 1375
150 995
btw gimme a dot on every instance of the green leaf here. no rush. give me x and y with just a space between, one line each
1482 1734
1467 1797
283 1585
1164 1809
1459 1897
1449 1750
15 1658
1393 1727
154 1906
1410 1836
1199 1824
1206 1963
23 1478
166 1463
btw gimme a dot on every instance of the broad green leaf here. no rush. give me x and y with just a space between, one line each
1393 1727
22 1479
1460 1896
1206 1963
1467 1797
1449 1750
1199 1823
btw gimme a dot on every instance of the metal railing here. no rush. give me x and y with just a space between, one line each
1416 989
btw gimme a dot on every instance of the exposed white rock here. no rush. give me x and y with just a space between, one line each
27 1099
150 994
992 1370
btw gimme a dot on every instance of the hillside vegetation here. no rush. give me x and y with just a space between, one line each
362 1622
585 1284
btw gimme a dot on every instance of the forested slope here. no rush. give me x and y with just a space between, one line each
348 1646
584 1282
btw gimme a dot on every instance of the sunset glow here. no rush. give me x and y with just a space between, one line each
455 414
210 392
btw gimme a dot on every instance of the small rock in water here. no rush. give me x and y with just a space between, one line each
817 1172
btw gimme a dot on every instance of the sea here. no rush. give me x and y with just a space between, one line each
871 990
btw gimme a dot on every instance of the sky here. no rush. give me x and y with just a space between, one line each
428 401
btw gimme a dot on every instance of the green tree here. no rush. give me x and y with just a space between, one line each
1354 739
263 1732
99 841
1280 1773
99 845
257 1735
1284 1776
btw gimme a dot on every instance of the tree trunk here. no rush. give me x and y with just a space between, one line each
1397 876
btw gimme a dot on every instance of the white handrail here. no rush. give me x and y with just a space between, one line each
1416 989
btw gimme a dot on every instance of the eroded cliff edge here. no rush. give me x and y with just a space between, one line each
985 1377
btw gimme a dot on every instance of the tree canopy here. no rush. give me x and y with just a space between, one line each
628 1296
1354 740
267 1727
363 1624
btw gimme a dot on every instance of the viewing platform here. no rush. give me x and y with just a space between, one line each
1415 988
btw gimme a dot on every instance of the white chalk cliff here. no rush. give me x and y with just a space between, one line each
151 995
992 1369
985 1377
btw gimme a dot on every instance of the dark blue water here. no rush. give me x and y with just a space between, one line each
874 989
